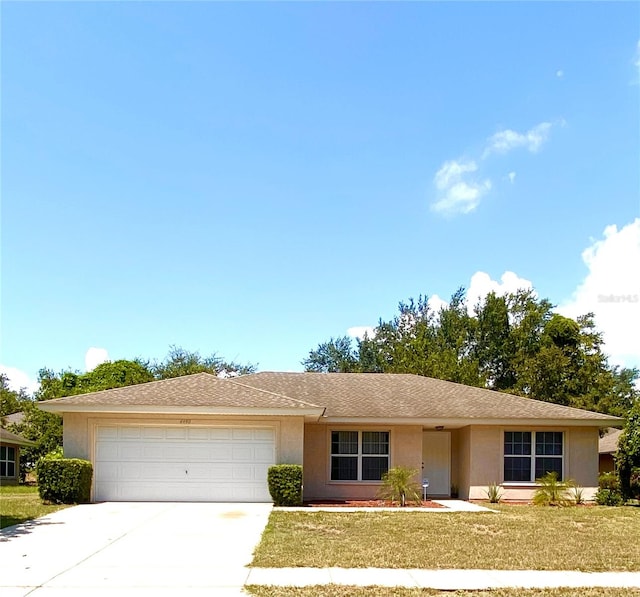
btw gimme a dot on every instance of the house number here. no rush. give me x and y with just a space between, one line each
185 421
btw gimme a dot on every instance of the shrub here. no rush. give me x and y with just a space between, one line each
608 493
285 484
64 480
551 491
608 497
608 481
398 485
494 494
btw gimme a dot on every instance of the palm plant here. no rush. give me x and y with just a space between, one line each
398 485
551 491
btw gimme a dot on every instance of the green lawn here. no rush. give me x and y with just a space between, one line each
20 503
516 538
344 591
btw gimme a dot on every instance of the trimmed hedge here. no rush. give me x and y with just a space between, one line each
285 484
64 480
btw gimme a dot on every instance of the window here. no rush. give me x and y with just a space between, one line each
529 455
7 461
359 455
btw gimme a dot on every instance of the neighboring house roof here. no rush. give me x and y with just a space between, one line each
609 441
333 396
8 437
14 418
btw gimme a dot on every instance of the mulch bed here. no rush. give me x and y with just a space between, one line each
368 504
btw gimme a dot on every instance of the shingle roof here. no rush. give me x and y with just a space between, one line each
381 395
198 390
14 418
348 395
8 437
608 443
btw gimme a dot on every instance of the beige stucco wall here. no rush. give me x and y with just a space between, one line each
405 450
75 436
486 461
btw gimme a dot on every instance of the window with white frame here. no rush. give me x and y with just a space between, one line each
359 455
529 455
7 461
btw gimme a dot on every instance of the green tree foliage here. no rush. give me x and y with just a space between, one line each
10 400
335 356
628 455
182 362
105 376
514 343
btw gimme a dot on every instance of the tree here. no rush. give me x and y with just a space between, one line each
628 455
10 400
45 429
182 362
513 343
112 374
335 356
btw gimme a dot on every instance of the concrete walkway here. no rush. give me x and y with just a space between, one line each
445 580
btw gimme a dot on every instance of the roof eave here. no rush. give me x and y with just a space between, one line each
23 443
455 423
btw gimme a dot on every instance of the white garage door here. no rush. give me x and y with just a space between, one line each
192 464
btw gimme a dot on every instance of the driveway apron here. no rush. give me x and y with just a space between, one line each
146 548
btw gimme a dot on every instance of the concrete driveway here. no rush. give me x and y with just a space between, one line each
146 548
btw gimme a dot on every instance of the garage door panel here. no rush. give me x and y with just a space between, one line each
263 454
139 463
129 432
107 433
152 433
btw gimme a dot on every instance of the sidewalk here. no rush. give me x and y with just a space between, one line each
445 580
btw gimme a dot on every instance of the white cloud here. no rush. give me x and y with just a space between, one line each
637 59
94 357
18 379
359 331
508 139
436 303
460 189
482 284
458 195
611 290
559 74
451 172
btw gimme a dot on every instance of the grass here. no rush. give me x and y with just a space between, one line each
517 538
345 591
19 503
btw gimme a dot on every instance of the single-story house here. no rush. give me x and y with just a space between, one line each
201 438
607 448
10 444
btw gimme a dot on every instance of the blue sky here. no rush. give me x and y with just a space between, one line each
253 178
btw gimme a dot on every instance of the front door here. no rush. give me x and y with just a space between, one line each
436 462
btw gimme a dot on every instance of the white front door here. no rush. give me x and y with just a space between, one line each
191 464
436 462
